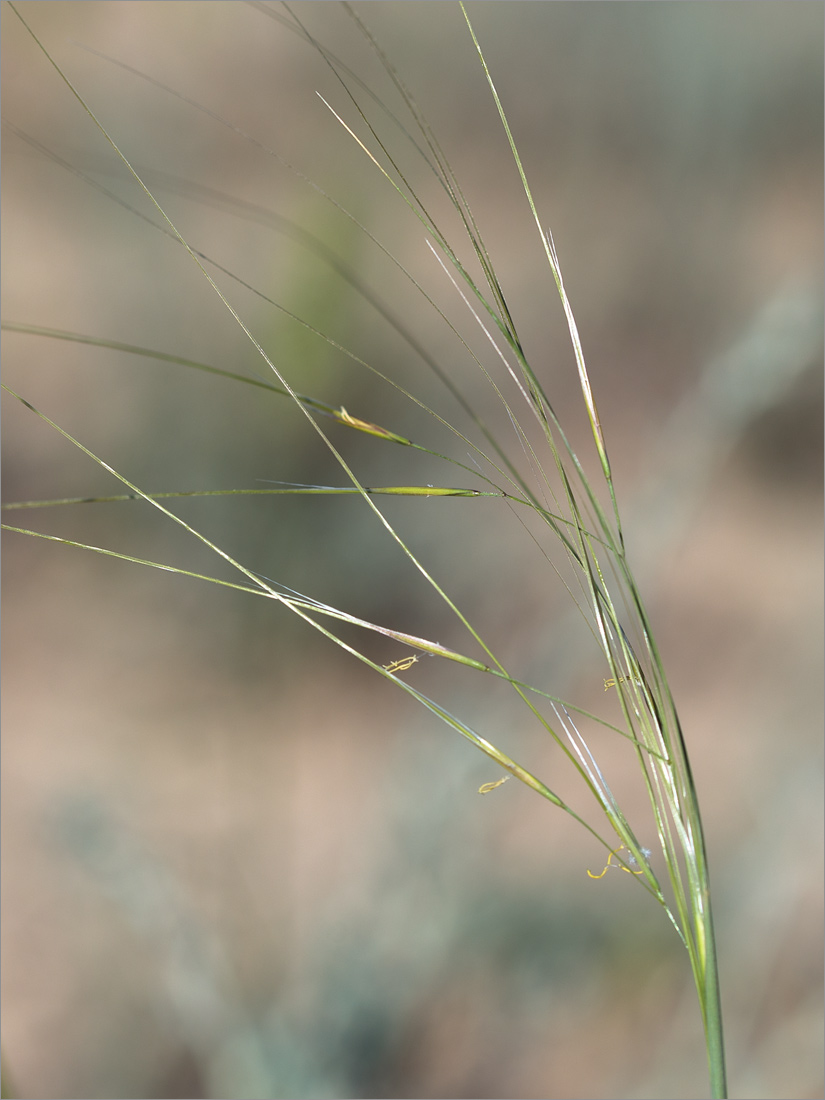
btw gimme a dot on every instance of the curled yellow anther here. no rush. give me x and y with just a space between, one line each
630 871
401 665
608 684
485 788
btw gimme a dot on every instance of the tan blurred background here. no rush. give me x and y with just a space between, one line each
235 863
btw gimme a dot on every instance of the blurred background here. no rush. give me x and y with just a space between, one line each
235 862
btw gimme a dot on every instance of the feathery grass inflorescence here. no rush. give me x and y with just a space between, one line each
578 512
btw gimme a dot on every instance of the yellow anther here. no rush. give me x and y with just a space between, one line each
619 867
604 872
485 788
608 684
401 665
611 683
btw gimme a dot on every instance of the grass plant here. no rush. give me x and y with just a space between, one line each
528 472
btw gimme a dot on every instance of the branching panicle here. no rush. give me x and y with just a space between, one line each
571 511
